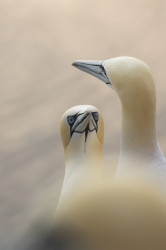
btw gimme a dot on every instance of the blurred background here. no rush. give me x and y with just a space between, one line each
39 39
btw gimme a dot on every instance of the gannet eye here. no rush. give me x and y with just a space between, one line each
95 116
71 119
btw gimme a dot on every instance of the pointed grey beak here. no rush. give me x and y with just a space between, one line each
94 68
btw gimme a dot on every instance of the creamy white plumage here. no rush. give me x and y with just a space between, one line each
82 132
133 82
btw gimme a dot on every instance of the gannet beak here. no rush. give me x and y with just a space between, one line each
81 123
85 122
94 68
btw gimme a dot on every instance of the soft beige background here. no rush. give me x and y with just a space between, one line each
39 39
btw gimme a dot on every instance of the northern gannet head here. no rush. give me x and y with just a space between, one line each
129 77
133 82
82 130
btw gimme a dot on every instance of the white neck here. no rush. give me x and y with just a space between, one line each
83 164
138 133
139 146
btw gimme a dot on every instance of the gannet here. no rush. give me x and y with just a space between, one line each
133 82
82 132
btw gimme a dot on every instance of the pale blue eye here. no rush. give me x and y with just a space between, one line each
95 116
71 119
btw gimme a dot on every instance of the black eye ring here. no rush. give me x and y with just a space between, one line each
71 119
95 116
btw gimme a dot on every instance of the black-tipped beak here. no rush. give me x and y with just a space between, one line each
94 68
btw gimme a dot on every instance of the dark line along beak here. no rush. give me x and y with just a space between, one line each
95 126
94 68
86 132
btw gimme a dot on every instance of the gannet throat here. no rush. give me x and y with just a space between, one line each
94 68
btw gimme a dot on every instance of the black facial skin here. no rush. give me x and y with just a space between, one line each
95 116
72 118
